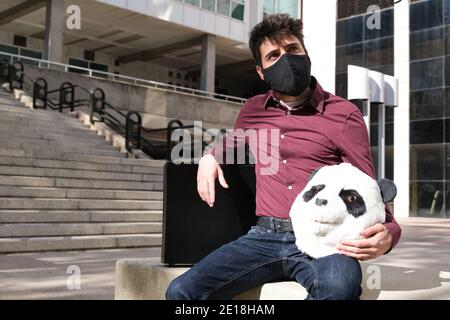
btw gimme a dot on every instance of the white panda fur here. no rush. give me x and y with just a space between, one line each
319 229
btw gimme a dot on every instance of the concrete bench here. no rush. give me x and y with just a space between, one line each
146 279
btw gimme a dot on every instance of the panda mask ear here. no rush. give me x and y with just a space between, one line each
388 190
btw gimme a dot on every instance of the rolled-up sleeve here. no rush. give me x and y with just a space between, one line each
354 148
234 139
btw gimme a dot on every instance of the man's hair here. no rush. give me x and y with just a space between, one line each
274 28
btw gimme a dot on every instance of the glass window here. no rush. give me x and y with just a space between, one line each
447 40
427 162
389 70
193 2
99 67
427 104
341 85
447 130
379 52
223 7
446 11
386 25
426 74
269 6
426 14
447 70
8 49
352 54
349 30
31 54
237 11
426 44
426 199
209 5
78 63
287 6
447 102
389 133
430 131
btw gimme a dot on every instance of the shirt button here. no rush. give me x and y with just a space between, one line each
290 187
284 161
282 136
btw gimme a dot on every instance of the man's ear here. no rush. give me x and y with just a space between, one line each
388 189
260 72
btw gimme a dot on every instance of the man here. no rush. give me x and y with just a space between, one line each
316 129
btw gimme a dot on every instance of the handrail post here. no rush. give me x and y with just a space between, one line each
66 90
40 92
129 131
15 75
97 104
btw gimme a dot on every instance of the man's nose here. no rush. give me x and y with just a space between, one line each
321 202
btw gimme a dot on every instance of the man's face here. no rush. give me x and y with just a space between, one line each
272 52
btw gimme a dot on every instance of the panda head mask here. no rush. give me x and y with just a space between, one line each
338 203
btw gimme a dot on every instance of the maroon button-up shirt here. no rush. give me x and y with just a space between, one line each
326 130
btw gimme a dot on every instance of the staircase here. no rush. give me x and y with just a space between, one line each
63 187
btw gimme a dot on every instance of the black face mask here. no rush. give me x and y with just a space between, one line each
290 75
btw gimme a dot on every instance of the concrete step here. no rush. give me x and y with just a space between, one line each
33 244
30 135
10 101
11 127
77 165
39 144
44 215
67 156
14 151
16 131
44 192
36 120
38 113
16 230
79 183
78 174
49 203
55 138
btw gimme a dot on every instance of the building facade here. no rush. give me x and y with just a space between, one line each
202 44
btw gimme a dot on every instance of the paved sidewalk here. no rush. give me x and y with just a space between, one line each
419 268
44 275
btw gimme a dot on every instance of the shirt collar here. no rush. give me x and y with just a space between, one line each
317 99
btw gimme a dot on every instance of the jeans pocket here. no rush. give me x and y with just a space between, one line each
258 230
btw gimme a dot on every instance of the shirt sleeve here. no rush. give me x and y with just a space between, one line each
233 140
354 148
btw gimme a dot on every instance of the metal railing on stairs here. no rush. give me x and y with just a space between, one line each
136 135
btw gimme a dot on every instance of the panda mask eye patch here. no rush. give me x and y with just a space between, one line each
308 195
354 202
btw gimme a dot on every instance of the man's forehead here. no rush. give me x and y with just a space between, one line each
270 44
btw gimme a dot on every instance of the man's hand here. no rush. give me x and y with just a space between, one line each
377 242
208 170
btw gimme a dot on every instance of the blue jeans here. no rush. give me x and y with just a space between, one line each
263 256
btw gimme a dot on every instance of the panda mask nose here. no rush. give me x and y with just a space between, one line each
321 202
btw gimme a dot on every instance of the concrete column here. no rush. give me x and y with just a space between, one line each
54 30
401 113
320 40
255 11
208 72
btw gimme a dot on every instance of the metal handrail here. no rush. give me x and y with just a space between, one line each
98 105
136 81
